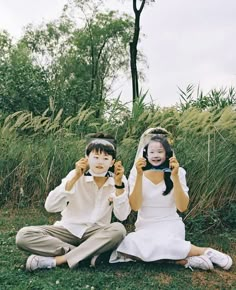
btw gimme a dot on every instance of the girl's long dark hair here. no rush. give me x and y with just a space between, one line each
169 153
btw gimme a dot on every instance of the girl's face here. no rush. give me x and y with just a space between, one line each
99 162
156 153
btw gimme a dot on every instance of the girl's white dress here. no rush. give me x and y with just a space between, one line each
159 230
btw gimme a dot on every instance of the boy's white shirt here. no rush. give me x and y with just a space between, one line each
85 205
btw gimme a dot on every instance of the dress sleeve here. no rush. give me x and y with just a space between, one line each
182 178
132 179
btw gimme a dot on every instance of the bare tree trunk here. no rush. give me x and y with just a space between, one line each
133 49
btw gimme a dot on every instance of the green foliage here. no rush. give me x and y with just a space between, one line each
82 58
71 62
32 167
221 218
5 46
216 98
23 86
204 143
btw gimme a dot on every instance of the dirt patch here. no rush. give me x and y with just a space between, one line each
164 279
120 274
228 278
202 279
217 279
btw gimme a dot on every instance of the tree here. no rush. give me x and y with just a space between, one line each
133 47
105 39
82 58
23 85
5 45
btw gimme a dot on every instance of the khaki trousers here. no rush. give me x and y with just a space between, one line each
57 241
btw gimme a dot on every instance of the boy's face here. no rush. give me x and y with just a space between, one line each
156 153
100 162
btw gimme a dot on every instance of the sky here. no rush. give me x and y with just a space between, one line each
185 42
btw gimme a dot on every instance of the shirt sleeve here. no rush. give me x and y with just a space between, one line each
121 206
59 197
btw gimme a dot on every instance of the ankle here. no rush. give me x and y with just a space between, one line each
60 260
204 250
182 262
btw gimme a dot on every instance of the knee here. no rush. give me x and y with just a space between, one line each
119 231
21 239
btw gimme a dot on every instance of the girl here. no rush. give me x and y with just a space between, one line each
156 193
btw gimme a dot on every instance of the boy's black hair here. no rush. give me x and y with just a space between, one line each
169 152
100 147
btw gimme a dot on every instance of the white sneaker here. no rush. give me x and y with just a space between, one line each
220 259
200 262
39 262
94 260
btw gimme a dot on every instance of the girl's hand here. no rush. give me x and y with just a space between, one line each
119 172
81 166
174 165
140 163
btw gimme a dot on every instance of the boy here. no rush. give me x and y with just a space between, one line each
86 200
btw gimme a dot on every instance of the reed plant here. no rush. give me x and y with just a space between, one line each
37 151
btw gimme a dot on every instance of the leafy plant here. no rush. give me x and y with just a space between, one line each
215 98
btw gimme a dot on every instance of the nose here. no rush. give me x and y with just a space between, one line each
100 160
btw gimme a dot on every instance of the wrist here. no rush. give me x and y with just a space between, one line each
118 181
175 177
77 176
140 174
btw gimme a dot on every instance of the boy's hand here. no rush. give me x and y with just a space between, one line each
140 163
119 172
81 166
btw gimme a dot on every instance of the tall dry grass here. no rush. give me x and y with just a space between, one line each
37 151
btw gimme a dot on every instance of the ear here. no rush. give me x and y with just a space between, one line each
112 162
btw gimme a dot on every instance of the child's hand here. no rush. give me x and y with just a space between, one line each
119 172
81 166
140 163
174 165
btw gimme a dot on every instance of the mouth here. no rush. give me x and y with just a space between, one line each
99 167
156 160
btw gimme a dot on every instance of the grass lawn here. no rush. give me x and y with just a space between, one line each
119 276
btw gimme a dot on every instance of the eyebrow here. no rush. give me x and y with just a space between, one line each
99 152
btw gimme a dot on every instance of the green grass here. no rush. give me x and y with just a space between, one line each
120 276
